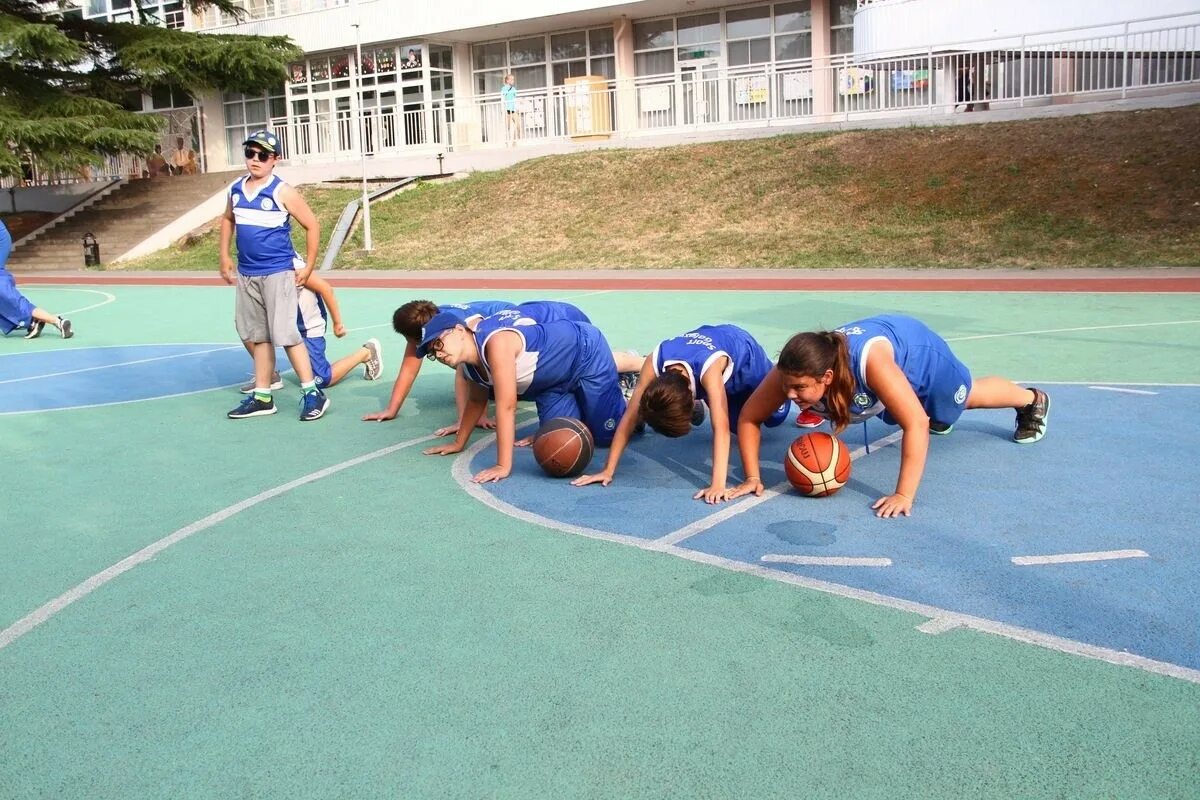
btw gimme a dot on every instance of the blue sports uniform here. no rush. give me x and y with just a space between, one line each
940 381
566 368
477 309
15 310
312 318
696 351
263 228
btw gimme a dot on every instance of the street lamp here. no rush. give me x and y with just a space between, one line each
362 129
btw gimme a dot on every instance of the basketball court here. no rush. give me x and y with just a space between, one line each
195 606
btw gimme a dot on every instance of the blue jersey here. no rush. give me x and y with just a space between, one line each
548 359
312 318
697 350
475 310
263 228
937 377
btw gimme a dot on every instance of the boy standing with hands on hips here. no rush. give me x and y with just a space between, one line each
259 210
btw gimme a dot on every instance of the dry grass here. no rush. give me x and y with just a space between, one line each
1101 190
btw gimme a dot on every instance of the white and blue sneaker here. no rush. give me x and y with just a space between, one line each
313 405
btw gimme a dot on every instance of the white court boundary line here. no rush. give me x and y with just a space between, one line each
1120 389
1071 330
119 364
82 590
108 298
827 561
939 620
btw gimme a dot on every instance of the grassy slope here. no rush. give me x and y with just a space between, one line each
1097 190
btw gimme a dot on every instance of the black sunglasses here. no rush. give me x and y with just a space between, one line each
261 155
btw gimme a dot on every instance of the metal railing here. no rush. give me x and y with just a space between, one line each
387 131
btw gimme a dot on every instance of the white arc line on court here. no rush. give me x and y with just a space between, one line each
48 610
1075 558
828 561
1120 389
1072 330
740 505
108 298
121 364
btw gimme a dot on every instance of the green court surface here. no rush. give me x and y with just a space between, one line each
373 631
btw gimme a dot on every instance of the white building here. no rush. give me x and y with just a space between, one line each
429 73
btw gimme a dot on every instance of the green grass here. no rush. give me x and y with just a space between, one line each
1098 190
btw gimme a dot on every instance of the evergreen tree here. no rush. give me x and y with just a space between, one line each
64 79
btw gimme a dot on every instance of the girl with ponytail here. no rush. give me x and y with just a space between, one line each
889 366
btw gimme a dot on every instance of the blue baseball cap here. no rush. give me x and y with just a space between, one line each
442 322
264 139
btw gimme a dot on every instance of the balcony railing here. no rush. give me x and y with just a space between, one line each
266 9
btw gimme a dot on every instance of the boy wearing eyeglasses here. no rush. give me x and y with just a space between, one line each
259 211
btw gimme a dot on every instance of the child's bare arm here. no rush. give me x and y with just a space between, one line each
297 206
718 407
226 238
624 431
322 287
409 369
502 352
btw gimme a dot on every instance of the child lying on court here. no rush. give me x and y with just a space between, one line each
15 309
565 367
316 304
892 366
720 365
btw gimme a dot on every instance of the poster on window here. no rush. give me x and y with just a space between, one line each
655 98
906 79
854 80
750 90
797 85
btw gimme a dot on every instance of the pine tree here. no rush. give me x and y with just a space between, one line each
63 79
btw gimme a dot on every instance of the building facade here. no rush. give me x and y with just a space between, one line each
382 77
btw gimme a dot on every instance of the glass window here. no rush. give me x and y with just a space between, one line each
601 41
841 12
793 17
319 69
385 59
235 114
657 33
527 51
489 82
96 8
256 113
530 77
566 46
604 67
793 46
569 69
299 72
699 51
749 51
699 29
441 57
843 40
490 56
661 62
745 22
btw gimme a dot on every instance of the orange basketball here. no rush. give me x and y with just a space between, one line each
817 464
563 447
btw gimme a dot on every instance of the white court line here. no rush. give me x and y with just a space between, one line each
1120 389
48 610
109 298
939 625
740 506
1075 558
123 363
828 561
1072 330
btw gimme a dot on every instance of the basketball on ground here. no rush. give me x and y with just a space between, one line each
817 464
563 447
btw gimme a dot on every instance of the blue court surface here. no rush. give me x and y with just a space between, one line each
1117 476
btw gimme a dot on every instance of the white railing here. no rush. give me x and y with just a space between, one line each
380 131
265 9
112 168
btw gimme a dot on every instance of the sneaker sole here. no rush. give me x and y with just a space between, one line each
1045 424
942 432
263 413
373 375
67 331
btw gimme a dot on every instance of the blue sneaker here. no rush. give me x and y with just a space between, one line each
313 405
252 407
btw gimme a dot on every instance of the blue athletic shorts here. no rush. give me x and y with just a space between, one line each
15 310
594 396
945 398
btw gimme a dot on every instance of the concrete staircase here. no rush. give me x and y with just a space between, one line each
119 221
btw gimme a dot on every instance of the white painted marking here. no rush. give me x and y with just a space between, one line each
48 610
828 561
1075 558
940 625
122 364
742 505
1072 330
1120 389
108 298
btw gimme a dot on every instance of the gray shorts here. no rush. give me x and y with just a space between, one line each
265 310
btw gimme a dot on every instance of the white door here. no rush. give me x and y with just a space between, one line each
700 91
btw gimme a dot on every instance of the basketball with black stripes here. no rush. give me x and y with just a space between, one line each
817 464
563 447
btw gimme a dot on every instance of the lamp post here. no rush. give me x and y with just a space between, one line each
362 129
